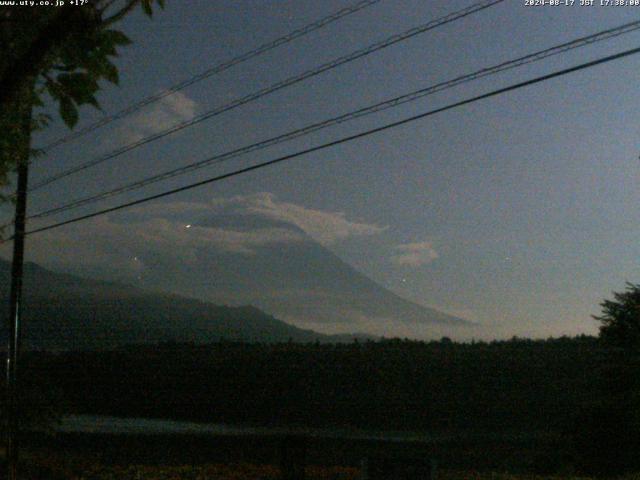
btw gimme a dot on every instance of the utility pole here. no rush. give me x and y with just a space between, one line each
15 303
15 307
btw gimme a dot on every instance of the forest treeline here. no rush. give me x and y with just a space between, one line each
516 385
582 391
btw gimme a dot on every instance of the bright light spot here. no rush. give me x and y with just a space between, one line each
187 226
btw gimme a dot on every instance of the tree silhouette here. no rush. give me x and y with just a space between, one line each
62 52
620 319
608 428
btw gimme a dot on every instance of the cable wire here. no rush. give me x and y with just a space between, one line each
342 140
219 68
275 87
394 102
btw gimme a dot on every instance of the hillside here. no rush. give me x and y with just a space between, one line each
299 281
68 312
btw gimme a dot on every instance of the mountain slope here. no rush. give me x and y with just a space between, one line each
297 279
63 311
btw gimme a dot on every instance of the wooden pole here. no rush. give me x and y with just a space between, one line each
15 307
15 298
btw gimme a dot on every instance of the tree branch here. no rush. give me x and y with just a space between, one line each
103 8
63 24
121 13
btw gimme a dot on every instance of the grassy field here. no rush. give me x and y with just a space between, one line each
149 457
248 472
44 465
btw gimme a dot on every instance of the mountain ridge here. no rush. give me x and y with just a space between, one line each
67 312
297 279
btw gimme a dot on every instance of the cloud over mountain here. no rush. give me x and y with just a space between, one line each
323 226
414 254
248 250
171 229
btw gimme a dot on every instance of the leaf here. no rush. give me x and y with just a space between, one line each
37 100
99 66
110 72
94 102
115 37
79 86
54 90
75 80
68 112
146 6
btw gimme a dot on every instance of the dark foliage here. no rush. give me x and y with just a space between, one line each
607 432
60 52
620 319
502 386
573 390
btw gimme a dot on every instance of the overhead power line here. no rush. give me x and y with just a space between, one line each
342 140
274 88
219 68
394 102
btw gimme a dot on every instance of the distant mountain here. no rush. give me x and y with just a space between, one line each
298 280
64 311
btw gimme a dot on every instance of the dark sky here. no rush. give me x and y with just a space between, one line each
519 212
